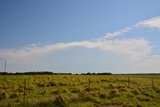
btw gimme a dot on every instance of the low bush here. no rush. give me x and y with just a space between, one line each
102 95
51 84
55 92
113 93
41 84
135 91
143 98
3 96
75 90
60 101
111 86
14 95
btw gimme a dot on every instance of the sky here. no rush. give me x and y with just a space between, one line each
79 36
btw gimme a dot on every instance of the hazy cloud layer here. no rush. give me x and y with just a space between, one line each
134 49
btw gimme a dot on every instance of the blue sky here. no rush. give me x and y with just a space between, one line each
80 36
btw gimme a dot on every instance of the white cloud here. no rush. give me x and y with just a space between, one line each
150 23
121 32
134 49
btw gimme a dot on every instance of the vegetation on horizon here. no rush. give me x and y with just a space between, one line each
53 73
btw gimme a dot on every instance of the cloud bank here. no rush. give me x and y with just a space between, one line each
134 49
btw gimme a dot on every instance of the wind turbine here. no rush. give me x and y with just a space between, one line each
5 64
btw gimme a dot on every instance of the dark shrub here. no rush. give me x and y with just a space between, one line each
75 90
51 84
13 95
2 96
60 102
40 84
113 93
92 89
55 92
103 96
111 86
62 84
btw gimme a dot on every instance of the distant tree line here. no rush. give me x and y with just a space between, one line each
52 73
34 73
105 73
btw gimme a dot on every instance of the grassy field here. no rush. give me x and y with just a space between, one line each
80 91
